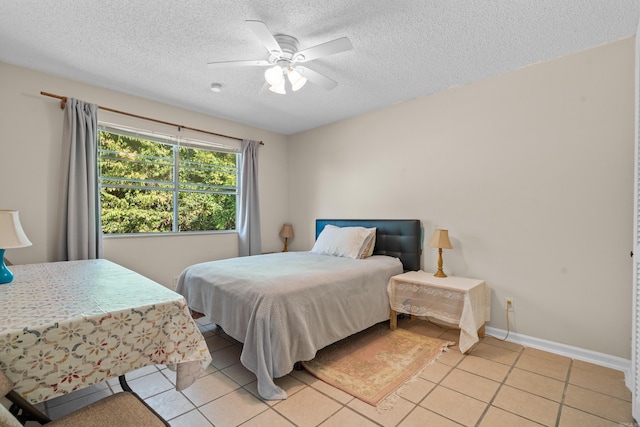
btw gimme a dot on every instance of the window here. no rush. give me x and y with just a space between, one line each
153 184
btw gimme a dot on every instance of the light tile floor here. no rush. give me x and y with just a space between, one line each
497 383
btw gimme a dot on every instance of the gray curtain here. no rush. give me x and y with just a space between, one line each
80 230
249 209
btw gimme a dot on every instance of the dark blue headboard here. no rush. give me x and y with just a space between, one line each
400 238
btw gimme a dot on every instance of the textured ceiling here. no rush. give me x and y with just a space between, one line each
402 49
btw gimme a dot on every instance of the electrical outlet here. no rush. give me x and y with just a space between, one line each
509 303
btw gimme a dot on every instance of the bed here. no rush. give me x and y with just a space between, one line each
286 306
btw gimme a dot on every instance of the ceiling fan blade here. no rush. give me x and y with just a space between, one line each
325 49
265 36
248 63
317 78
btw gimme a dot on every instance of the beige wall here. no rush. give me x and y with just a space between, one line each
30 134
531 172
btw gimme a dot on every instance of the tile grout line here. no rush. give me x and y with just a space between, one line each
502 383
416 405
439 383
564 392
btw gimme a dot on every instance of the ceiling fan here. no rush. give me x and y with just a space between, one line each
284 59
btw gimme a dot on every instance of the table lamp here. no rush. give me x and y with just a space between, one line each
287 232
440 240
11 236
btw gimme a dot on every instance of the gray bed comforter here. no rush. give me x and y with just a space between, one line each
286 306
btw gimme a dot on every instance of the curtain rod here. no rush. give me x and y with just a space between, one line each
63 102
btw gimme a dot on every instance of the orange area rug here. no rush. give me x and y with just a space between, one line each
375 362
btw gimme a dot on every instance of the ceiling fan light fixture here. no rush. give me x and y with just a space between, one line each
278 88
274 76
297 81
283 55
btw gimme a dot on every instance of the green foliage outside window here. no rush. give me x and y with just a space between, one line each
150 187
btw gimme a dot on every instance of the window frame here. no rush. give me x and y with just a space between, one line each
176 142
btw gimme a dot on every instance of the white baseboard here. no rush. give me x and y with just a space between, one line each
601 359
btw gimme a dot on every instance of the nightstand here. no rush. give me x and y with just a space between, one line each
456 300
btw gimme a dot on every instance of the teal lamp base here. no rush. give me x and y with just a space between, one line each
5 275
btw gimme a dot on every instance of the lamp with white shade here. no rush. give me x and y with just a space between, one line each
440 240
11 236
287 232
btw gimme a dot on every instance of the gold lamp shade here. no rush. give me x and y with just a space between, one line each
440 240
287 232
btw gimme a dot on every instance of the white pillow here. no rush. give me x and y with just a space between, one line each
341 241
369 243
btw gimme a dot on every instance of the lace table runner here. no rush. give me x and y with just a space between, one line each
456 300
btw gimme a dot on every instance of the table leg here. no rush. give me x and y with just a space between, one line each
481 331
393 320
124 384
25 411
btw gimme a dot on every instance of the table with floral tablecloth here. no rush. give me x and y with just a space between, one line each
68 325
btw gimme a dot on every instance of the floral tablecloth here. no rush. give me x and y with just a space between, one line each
68 325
